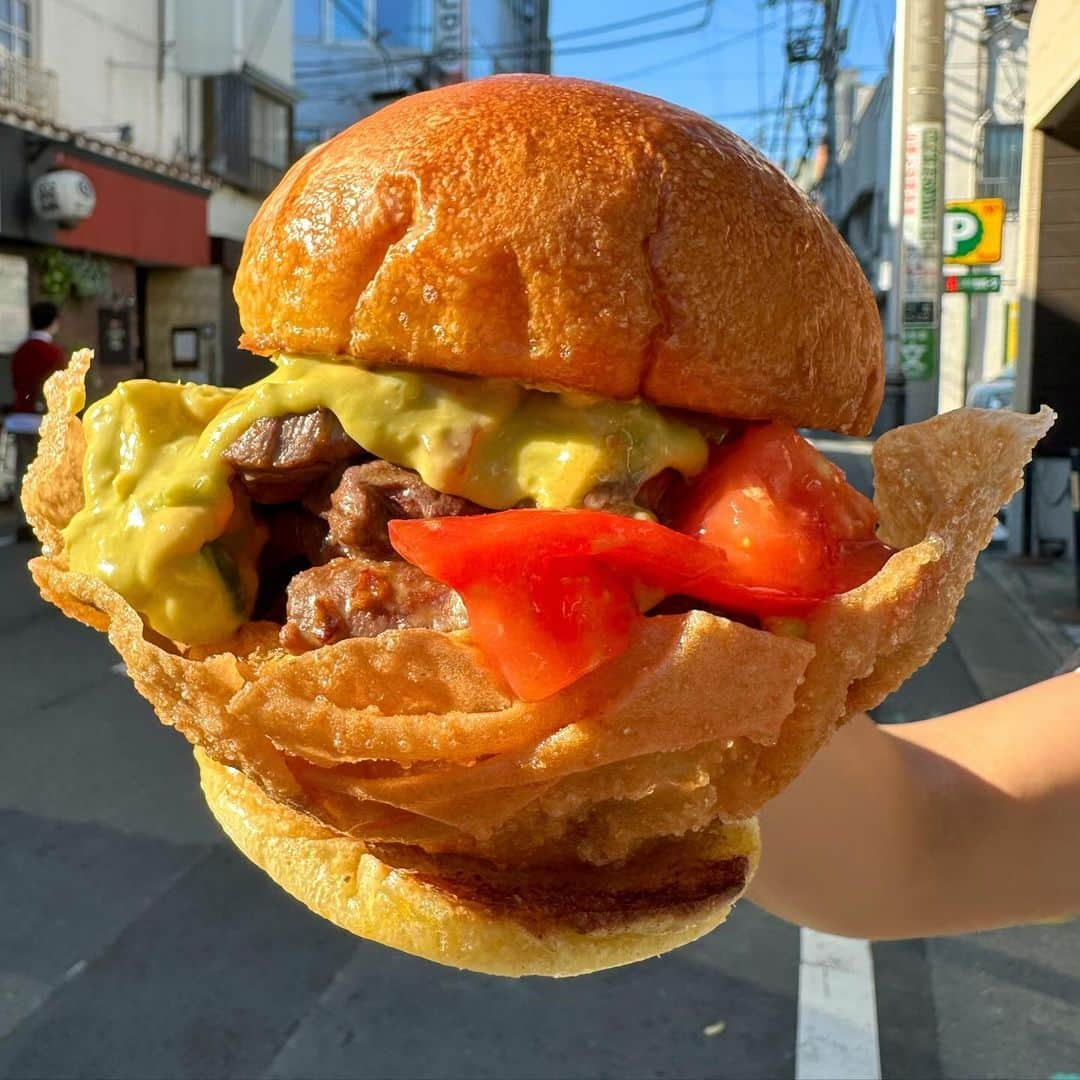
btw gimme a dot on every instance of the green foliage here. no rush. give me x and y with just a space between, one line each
63 274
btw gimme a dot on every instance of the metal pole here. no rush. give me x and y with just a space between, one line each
924 164
829 61
894 376
967 347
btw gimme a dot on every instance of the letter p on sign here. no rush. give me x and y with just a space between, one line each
971 231
963 231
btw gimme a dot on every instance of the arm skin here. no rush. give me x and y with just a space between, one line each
966 822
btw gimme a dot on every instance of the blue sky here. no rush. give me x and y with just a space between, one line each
700 68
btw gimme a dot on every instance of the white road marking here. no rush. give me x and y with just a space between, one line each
861 447
75 970
837 1035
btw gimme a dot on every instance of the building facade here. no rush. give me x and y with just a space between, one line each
986 70
137 139
353 56
1048 270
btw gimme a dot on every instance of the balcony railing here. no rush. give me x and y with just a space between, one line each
27 88
1001 187
234 135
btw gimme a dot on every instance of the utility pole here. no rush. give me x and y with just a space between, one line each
808 41
894 376
828 61
923 91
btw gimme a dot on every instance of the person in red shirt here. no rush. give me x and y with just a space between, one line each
34 361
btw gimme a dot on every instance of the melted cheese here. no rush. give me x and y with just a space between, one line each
163 526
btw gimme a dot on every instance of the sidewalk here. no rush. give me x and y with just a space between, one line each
1044 594
1006 627
1005 637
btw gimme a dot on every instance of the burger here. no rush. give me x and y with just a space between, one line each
500 606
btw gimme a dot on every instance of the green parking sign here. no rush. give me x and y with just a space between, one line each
963 233
917 351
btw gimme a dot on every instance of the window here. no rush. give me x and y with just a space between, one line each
269 130
246 132
404 23
307 19
350 20
15 27
1000 173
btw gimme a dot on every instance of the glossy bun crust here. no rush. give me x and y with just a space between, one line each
565 233
467 912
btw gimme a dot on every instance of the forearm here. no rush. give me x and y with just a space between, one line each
964 822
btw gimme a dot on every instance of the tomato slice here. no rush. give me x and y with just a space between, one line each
785 515
552 594
543 631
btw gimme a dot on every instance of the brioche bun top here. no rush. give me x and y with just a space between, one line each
569 234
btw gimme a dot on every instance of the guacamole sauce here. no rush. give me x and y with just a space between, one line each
164 527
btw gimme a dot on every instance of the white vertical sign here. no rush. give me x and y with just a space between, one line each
921 278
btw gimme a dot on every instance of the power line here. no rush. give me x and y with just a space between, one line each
807 115
789 118
760 70
812 35
853 16
643 39
358 20
589 31
623 24
684 58
507 50
745 114
778 112
883 36
785 82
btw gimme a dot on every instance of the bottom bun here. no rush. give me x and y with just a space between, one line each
470 913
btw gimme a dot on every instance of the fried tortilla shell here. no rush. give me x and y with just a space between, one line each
556 920
52 492
408 737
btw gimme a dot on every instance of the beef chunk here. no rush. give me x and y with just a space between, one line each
367 496
295 540
279 458
629 500
612 499
295 533
358 597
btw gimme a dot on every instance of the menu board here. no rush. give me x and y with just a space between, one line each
14 302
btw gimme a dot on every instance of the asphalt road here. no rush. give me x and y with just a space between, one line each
135 942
